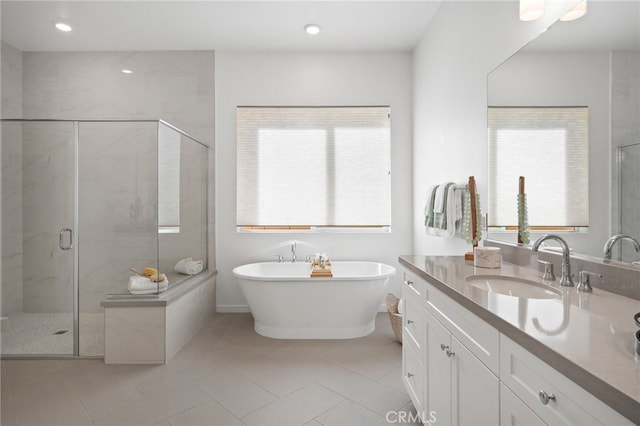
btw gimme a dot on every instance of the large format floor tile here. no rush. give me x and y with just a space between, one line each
226 375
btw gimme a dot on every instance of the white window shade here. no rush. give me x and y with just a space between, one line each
549 147
313 166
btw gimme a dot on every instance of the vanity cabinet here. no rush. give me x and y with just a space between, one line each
454 386
459 370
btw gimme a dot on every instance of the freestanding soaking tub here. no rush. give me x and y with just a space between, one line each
287 303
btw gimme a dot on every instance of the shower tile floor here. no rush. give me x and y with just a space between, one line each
51 334
226 375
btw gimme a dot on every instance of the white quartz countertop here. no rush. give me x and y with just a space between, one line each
588 337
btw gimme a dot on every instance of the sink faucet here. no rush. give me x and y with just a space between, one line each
294 258
614 239
566 279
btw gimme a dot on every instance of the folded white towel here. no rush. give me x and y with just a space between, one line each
138 284
401 307
439 204
155 291
189 266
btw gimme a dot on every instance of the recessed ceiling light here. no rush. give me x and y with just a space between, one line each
127 71
312 29
63 27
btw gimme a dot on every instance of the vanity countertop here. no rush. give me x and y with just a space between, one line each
588 337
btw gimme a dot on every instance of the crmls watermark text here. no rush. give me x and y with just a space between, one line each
403 417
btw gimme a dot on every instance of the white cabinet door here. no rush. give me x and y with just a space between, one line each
514 412
475 389
438 371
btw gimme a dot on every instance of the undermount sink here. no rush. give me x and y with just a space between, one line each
513 286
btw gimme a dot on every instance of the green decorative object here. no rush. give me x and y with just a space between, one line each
523 220
466 221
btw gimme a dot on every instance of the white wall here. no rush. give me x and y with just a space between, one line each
465 41
567 79
309 79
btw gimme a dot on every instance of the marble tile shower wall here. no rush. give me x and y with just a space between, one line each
11 220
11 81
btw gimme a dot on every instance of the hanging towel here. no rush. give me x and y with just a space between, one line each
442 210
428 208
143 285
443 213
189 266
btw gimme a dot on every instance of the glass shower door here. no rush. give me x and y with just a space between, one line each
38 237
629 169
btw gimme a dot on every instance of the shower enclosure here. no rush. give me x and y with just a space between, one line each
84 202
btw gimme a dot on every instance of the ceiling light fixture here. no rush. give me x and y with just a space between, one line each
63 27
125 71
577 12
312 29
530 10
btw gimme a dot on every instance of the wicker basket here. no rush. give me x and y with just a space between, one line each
394 316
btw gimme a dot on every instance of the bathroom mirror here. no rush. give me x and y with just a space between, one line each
591 62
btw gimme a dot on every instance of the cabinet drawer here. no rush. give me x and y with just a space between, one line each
528 376
414 288
414 325
480 338
413 378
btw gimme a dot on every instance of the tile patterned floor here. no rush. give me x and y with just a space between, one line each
226 375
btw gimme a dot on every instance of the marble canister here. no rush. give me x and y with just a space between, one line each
487 257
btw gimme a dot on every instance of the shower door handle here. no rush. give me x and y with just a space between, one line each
61 242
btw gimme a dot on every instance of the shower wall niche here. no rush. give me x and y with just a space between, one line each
83 202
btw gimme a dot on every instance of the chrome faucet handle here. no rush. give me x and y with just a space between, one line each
280 258
548 271
584 284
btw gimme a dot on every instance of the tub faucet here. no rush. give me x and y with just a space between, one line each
614 239
294 258
566 280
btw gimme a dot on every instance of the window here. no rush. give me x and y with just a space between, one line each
549 147
313 168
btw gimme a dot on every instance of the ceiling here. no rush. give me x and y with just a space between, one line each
238 25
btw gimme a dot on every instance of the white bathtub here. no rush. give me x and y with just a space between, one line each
287 303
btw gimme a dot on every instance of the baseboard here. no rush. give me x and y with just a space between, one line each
232 309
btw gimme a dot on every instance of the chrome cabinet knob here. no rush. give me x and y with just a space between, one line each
450 353
546 397
409 375
409 283
444 347
409 321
